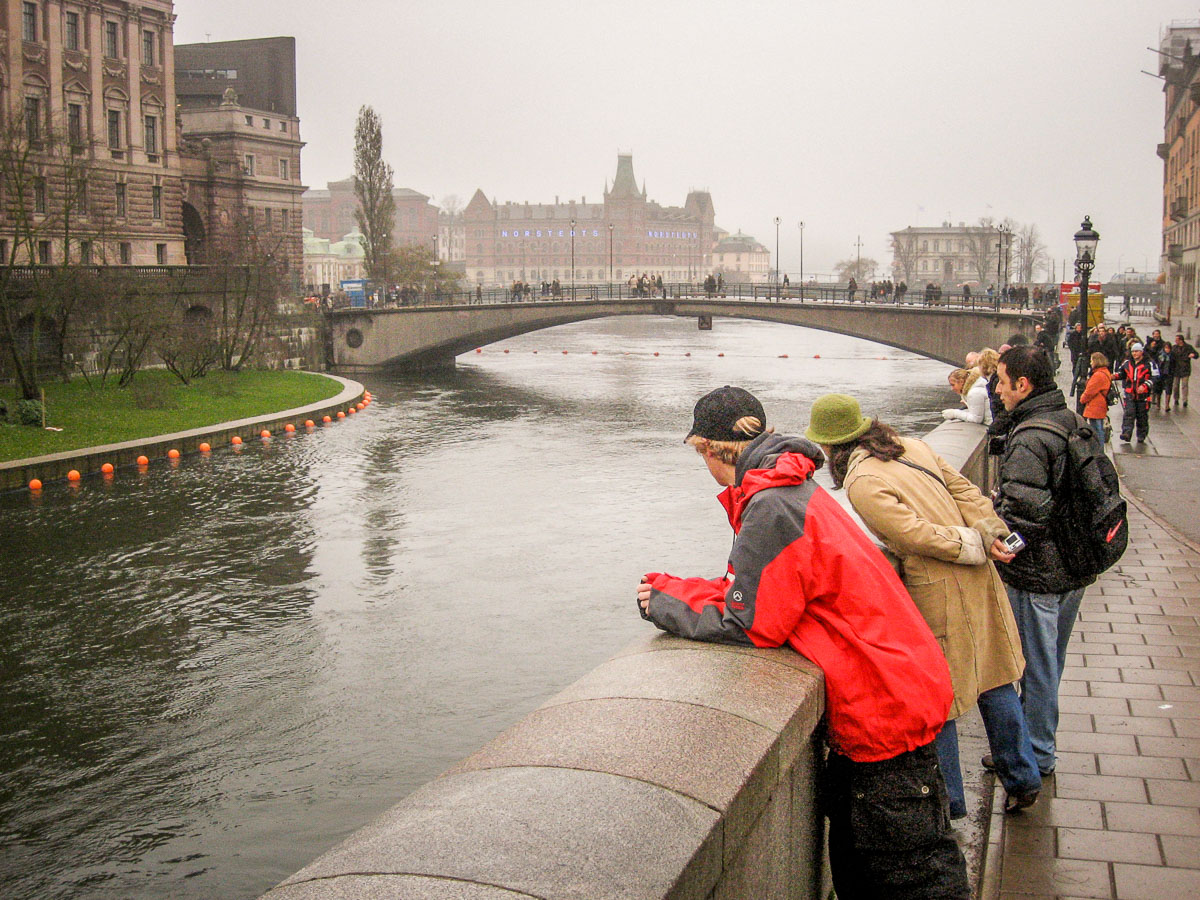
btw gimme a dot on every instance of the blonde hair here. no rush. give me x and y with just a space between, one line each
729 451
972 377
989 360
1099 360
957 375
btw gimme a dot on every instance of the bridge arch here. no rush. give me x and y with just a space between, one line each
432 336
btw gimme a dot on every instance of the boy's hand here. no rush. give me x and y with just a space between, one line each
998 551
643 596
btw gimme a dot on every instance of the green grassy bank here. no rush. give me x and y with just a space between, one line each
156 403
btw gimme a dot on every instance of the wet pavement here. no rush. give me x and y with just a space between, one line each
1120 818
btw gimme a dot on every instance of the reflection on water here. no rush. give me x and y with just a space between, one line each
212 672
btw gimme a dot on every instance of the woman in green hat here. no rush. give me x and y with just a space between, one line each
943 531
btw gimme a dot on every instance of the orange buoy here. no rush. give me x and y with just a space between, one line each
478 349
360 406
205 447
505 351
535 353
816 356
264 433
143 461
326 419
352 410
107 468
783 356
720 354
35 484
309 423
594 352
564 353
289 427
656 353
341 415
172 453
236 440
687 354
73 475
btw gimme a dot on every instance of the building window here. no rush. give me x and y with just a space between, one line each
936 246
285 169
248 164
4 250
283 126
81 195
147 48
126 253
114 129
266 123
160 254
284 219
249 120
75 124
156 201
44 253
39 195
71 33
121 204
267 220
33 119
151 134
29 29
112 40
85 252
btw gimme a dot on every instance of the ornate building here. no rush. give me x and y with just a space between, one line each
1180 153
90 86
329 213
742 259
627 234
949 255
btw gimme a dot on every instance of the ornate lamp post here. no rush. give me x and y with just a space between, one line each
1086 240
801 259
610 253
572 259
777 221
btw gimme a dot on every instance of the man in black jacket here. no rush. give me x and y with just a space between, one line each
1045 597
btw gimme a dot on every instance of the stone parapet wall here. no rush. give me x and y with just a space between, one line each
674 770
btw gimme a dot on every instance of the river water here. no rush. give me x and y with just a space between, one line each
213 671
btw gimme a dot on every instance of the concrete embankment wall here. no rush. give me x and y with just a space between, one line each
673 770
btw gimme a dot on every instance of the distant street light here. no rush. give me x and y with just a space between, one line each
801 259
1086 240
777 221
610 253
572 259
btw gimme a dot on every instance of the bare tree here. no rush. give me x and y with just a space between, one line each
982 242
861 269
1031 253
906 250
373 186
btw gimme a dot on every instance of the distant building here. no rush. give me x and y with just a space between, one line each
1179 65
241 152
949 255
625 235
740 258
452 237
328 263
330 213
97 79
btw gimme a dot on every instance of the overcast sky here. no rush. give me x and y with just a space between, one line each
859 117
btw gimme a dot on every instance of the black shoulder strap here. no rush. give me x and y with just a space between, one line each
1052 427
913 465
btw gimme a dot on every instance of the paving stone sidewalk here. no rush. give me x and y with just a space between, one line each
1121 816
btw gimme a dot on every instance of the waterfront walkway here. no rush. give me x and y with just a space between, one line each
1120 818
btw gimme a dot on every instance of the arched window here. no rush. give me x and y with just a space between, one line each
116 110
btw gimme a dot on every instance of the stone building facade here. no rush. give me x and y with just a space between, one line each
949 255
329 214
741 259
624 235
91 87
1180 152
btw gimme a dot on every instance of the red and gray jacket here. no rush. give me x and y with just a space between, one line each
1137 378
802 573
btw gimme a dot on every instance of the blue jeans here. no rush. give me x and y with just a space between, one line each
1044 622
1098 427
1008 739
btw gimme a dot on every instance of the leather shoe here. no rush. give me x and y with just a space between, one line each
1017 802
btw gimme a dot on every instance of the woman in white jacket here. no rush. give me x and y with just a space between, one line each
973 389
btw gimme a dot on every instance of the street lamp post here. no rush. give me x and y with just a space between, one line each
610 253
801 259
777 221
1086 240
572 259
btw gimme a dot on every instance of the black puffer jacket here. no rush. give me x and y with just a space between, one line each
1030 474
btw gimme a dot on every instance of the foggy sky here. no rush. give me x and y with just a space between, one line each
859 117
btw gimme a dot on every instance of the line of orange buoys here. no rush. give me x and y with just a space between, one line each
174 454
688 354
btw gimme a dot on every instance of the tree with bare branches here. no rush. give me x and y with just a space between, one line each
906 250
1031 253
376 212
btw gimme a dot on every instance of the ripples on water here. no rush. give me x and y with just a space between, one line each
212 672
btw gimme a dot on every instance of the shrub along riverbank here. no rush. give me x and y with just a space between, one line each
155 403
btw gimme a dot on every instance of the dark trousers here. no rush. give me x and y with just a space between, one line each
1136 412
889 829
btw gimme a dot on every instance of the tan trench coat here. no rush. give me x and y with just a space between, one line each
934 530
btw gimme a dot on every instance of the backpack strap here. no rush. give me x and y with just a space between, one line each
913 465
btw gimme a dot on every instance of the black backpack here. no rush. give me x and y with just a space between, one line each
1090 522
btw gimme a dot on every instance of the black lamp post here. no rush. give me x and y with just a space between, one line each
777 221
801 259
572 259
610 253
1086 239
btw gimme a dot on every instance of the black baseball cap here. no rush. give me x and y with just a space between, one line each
718 411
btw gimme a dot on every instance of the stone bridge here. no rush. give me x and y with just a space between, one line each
431 336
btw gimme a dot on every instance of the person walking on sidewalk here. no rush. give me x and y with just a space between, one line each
1094 396
802 573
943 530
1182 354
1045 597
1137 375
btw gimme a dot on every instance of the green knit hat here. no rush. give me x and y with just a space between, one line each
836 419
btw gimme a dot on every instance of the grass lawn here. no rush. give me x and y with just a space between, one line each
156 403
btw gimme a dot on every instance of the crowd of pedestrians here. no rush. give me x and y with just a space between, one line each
994 585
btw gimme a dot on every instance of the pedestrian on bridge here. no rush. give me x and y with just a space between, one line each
802 573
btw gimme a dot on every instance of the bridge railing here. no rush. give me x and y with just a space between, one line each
765 293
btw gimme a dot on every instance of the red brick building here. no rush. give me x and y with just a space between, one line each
627 234
329 214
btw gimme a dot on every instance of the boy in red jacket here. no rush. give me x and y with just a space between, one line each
802 573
